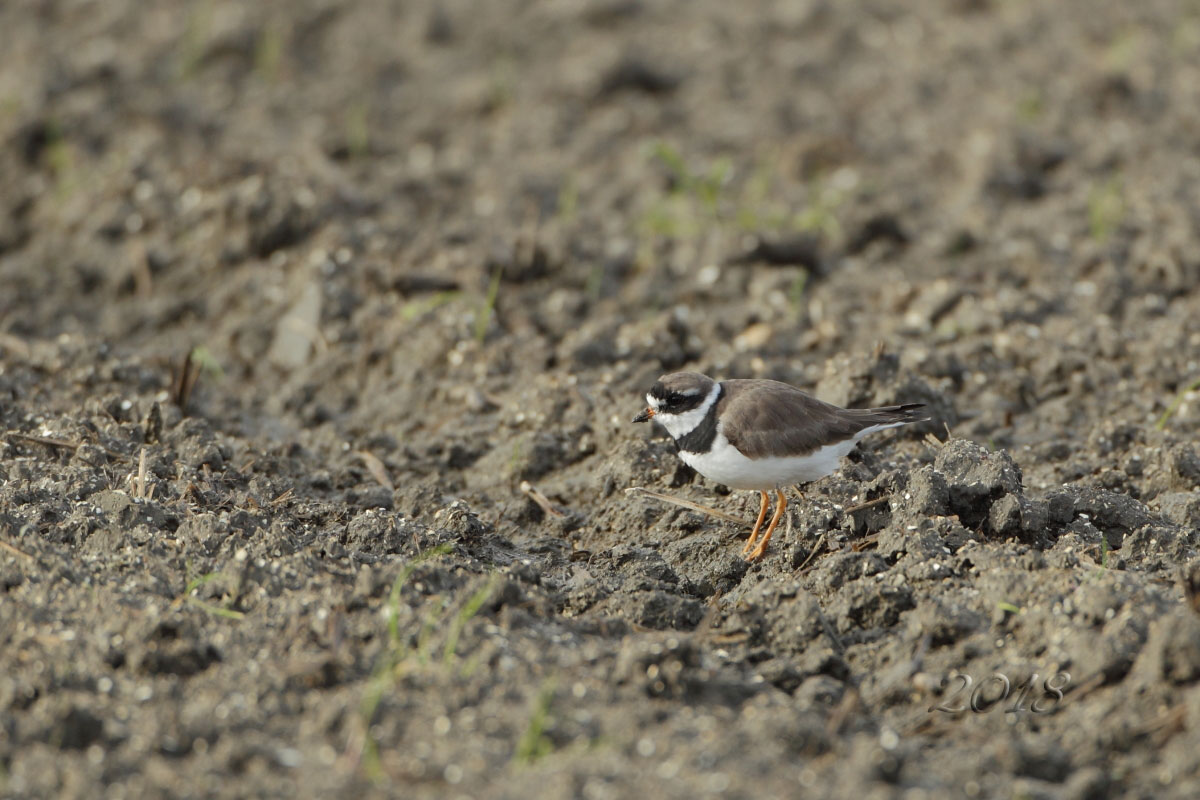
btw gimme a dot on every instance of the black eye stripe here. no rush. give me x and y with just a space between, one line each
675 399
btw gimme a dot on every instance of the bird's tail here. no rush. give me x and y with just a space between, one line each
891 416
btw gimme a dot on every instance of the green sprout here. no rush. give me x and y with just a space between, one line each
484 315
1106 209
534 743
358 129
415 309
206 363
219 611
1161 425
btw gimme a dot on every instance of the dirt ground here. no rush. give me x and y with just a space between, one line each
322 323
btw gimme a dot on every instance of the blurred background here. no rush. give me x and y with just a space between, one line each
325 258
359 210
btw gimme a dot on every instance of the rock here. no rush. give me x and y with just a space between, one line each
280 217
1184 463
1159 546
784 617
298 330
868 604
671 666
635 73
930 494
1087 783
197 445
1173 651
1040 758
1109 653
841 568
1114 514
539 454
640 463
1060 508
372 497
642 569
1113 436
378 532
943 622
707 563
89 455
932 303
1094 602
1182 508
175 648
1004 517
461 523
1014 515
75 729
1171 469
880 227
851 381
819 692
896 541
976 478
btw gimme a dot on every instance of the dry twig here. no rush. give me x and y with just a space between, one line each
62 444
816 549
867 504
14 550
376 468
666 498
139 487
184 381
543 502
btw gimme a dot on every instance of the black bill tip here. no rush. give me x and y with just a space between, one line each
644 416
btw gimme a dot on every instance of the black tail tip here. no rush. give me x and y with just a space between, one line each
912 412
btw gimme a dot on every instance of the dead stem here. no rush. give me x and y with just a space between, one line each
666 498
62 444
376 468
530 491
14 550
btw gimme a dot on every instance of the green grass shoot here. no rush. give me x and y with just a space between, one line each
1161 425
469 610
1106 208
484 315
357 129
393 607
206 362
415 309
534 743
196 583
796 292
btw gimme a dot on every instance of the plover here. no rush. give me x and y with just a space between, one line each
761 434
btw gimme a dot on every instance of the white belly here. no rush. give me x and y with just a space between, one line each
724 464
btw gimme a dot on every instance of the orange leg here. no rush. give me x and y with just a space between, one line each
762 514
762 545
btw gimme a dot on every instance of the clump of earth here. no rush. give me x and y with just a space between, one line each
321 326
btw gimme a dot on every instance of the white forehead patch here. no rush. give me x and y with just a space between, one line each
652 401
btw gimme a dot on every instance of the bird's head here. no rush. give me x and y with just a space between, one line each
675 394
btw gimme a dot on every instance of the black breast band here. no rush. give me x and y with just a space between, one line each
700 438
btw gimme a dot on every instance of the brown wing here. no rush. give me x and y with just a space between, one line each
767 418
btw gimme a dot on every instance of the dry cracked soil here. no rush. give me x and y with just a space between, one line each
321 325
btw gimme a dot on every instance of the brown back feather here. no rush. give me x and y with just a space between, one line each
794 422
